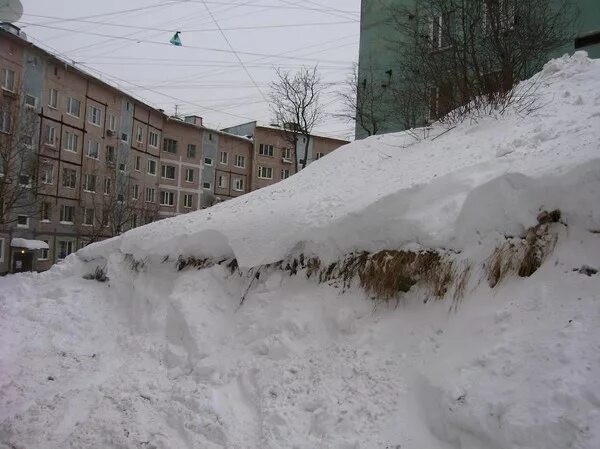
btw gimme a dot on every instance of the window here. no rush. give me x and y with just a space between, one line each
53 98
153 139
89 183
210 136
222 182
30 101
189 175
5 120
240 161
208 161
120 198
44 252
265 172
206 185
138 163
73 107
498 15
439 31
24 181
95 116
48 174
22 221
286 154
167 198
50 135
265 150
1 250
27 141
285 174
69 178
112 122
66 214
122 167
107 185
83 243
139 134
168 171
191 150
319 156
151 167
46 210
224 157
93 150
71 141
150 194
238 184
125 137
187 201
170 146
434 103
110 154
136 191
8 80
88 216
65 247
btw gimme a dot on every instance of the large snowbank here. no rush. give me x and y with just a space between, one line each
156 358
385 191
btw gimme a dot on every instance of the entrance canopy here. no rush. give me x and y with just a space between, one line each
28 244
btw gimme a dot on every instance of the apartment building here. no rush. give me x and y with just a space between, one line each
276 151
106 162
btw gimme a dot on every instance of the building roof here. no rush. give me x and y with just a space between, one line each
278 128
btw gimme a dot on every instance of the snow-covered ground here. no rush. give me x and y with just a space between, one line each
160 358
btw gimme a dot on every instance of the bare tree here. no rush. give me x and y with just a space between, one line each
296 107
471 53
364 101
20 167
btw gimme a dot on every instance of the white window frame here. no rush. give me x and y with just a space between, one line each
283 172
163 171
266 150
319 156
48 169
206 185
112 122
2 244
188 204
210 161
224 158
187 175
152 161
139 134
50 136
168 195
53 98
71 140
106 188
238 184
62 214
44 252
23 226
70 103
136 192
88 152
94 114
222 182
153 139
238 158
5 79
85 216
137 164
74 179
86 180
191 145
263 170
69 243
286 153
29 105
44 209
153 196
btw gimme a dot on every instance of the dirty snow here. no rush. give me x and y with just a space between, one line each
156 358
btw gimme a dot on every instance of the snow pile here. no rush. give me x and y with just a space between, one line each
492 175
159 358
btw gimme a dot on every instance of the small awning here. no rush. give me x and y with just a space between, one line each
28 244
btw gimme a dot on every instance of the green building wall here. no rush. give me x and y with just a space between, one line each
378 61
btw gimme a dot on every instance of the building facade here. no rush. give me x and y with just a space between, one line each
380 65
105 162
278 153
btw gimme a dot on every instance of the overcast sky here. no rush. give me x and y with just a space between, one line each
128 43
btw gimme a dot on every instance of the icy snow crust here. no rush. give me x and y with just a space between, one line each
386 191
156 358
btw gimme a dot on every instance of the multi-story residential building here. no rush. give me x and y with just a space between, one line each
107 162
380 65
278 153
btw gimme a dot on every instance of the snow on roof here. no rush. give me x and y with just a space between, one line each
434 187
28 244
